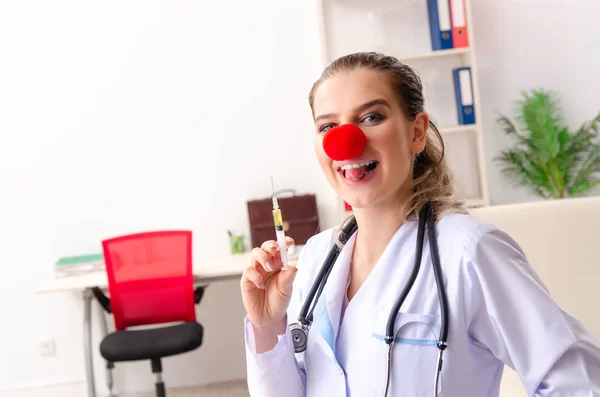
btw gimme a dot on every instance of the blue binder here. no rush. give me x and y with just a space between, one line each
440 25
463 91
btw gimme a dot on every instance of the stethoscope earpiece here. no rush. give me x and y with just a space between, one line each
344 142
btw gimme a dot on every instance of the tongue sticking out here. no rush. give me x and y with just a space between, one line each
355 174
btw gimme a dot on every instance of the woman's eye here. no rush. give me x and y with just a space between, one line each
326 127
372 118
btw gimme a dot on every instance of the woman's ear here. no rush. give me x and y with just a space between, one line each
420 126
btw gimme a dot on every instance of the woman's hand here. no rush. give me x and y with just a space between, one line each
266 291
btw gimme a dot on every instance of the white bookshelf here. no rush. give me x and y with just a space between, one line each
401 28
435 54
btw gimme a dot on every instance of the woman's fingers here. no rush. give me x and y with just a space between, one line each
264 258
268 255
251 275
271 247
286 281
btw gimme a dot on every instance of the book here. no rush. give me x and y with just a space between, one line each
78 264
463 90
440 25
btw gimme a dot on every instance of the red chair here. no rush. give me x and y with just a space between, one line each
150 281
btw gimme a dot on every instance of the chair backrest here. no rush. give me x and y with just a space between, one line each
150 278
561 239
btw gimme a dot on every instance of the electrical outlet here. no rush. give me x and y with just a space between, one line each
47 347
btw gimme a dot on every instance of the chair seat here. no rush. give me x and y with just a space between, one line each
130 345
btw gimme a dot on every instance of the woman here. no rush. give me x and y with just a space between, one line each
500 311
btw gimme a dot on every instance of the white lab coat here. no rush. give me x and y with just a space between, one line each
499 313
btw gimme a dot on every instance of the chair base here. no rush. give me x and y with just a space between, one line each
109 378
157 369
160 389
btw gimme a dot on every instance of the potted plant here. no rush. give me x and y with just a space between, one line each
547 158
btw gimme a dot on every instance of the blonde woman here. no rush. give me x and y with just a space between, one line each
494 310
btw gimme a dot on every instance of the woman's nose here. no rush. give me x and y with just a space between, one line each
344 142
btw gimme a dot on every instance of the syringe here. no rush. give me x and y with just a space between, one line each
278 220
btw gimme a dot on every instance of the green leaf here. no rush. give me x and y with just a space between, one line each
564 158
538 115
575 152
510 129
588 174
523 171
584 187
593 127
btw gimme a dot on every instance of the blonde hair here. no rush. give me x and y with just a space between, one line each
431 177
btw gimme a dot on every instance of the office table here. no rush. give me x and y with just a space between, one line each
214 268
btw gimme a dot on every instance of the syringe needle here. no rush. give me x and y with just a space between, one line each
272 185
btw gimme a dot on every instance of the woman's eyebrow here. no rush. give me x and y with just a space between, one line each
364 106
374 102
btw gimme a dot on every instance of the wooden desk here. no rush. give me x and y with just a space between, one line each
213 268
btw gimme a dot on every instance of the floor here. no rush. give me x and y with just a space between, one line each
230 389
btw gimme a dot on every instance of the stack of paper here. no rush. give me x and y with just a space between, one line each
79 264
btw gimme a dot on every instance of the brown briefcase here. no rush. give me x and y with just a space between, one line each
300 218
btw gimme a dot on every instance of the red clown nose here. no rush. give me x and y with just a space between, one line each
344 142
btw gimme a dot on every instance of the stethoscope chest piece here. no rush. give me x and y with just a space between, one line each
299 334
299 330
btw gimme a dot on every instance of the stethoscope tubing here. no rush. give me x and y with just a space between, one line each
439 281
389 335
426 217
306 313
426 221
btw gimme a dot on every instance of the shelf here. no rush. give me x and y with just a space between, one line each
458 129
436 54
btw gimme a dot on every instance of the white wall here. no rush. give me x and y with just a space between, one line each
526 44
124 116
118 117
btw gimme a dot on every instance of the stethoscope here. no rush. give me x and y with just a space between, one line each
299 331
